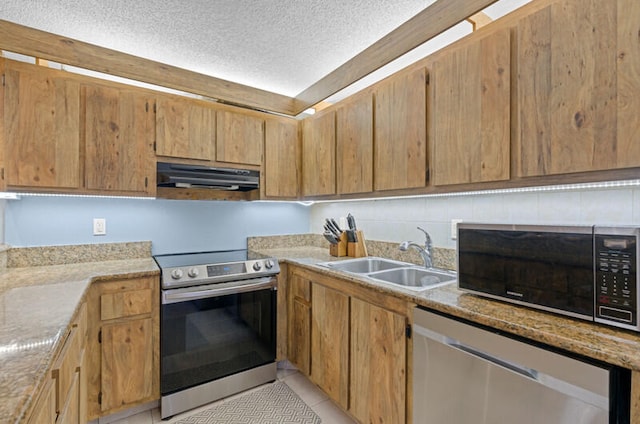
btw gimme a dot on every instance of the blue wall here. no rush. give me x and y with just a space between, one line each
171 225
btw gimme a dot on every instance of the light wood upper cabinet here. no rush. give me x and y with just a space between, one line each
354 145
470 111
240 138
282 167
319 154
330 342
119 131
185 129
378 369
41 122
578 88
400 132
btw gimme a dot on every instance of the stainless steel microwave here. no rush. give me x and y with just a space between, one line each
587 272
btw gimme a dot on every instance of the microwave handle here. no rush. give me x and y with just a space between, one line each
202 292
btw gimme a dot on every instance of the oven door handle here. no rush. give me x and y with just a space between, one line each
204 292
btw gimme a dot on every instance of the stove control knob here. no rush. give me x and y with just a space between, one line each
193 273
176 274
268 263
257 266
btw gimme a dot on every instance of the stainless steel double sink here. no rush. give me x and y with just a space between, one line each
403 274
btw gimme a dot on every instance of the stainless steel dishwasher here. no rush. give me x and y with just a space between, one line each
465 374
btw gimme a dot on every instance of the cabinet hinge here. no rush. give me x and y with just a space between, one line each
100 336
2 173
100 398
408 331
426 176
155 149
146 182
154 108
427 78
3 80
146 107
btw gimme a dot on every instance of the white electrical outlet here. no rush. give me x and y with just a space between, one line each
454 228
99 226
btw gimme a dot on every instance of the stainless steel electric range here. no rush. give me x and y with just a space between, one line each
218 326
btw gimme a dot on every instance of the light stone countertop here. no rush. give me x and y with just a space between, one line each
618 347
37 304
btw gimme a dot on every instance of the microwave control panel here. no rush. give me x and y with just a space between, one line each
616 276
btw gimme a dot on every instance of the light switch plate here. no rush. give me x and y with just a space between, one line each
99 226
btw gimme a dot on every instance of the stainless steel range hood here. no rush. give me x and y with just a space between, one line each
196 176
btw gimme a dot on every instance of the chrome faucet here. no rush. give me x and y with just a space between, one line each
425 251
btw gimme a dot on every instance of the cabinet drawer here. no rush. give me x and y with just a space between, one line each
125 304
64 370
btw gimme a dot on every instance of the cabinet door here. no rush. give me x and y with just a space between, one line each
471 112
70 413
378 364
127 363
185 129
578 88
400 132
319 154
41 127
354 145
299 350
240 138
119 135
44 412
330 342
282 167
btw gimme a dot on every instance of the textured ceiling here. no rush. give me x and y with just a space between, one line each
281 46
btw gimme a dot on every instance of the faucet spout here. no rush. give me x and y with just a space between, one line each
425 252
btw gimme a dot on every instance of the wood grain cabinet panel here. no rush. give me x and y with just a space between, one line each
330 342
44 411
378 374
471 112
299 340
41 123
127 363
354 145
400 132
119 130
282 166
123 351
240 138
578 88
319 154
185 129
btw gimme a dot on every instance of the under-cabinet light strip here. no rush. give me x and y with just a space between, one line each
550 188
15 196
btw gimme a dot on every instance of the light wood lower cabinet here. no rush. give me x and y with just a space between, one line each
378 364
330 342
61 400
352 343
123 345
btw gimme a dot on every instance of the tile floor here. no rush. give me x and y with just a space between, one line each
305 389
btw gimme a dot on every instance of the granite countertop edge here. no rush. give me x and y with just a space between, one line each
64 287
606 344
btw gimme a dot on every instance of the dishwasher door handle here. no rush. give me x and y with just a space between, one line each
519 369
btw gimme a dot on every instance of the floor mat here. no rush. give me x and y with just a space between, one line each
272 404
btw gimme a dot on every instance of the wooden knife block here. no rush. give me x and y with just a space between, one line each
357 249
339 249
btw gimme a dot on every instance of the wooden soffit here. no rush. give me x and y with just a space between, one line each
432 21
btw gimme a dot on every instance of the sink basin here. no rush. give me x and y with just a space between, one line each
365 265
415 278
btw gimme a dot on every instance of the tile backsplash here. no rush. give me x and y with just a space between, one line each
395 220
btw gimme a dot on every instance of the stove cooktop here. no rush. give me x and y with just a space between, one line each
197 268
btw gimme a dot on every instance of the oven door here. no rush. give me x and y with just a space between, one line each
210 332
